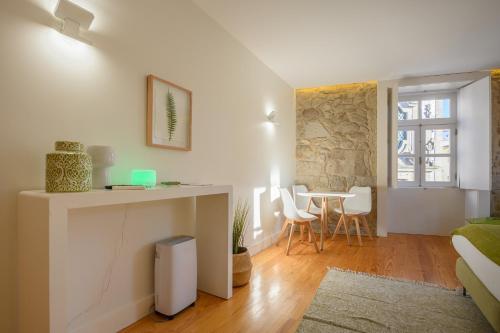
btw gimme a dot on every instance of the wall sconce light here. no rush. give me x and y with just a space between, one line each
74 18
271 116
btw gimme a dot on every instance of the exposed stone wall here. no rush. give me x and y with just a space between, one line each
495 141
336 139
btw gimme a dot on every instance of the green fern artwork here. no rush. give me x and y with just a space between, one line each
171 115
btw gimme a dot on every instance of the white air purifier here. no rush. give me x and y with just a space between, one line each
175 275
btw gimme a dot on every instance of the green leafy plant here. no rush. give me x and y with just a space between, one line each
239 226
171 115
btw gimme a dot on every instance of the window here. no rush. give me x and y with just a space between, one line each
426 140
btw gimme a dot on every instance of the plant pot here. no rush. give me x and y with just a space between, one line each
242 268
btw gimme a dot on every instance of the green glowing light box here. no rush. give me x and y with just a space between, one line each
144 177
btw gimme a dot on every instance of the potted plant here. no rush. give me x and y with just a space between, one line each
242 264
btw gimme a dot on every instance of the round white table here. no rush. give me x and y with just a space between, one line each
324 196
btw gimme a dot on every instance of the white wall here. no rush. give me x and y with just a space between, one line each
385 103
477 203
431 211
53 88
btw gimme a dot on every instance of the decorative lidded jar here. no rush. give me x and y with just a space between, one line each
68 169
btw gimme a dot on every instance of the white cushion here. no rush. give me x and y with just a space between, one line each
305 216
361 202
314 210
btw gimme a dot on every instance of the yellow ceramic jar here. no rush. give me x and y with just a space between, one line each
68 169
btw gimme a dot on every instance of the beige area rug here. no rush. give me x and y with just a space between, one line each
357 302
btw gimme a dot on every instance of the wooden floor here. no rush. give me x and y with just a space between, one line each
282 287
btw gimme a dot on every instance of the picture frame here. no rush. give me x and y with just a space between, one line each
169 115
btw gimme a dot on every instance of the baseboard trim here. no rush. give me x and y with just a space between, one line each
119 318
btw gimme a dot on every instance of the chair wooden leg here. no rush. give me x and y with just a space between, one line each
301 232
358 232
337 228
290 238
282 233
346 227
311 234
365 224
309 202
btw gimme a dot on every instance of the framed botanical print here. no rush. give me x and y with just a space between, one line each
169 115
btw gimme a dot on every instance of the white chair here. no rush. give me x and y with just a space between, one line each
293 217
301 202
356 208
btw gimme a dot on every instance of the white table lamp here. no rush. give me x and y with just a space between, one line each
103 157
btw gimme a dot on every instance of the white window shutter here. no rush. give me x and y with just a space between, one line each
474 136
392 101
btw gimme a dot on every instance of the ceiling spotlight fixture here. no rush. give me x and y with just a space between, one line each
74 18
271 116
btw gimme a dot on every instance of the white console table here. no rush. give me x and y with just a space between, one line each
43 244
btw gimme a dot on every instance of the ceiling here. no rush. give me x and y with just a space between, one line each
322 42
434 87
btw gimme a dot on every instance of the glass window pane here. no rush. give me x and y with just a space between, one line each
406 141
406 169
437 169
408 110
436 108
437 141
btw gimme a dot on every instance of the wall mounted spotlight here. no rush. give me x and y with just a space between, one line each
74 18
271 116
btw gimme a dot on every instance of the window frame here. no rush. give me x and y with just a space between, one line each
420 125
452 155
416 155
